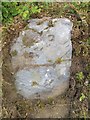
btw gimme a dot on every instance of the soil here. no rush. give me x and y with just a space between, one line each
14 105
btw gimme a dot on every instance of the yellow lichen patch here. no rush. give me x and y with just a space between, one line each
34 83
58 61
14 53
49 60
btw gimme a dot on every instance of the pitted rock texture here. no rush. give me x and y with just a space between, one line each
41 58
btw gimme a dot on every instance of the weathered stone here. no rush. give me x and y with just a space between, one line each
43 59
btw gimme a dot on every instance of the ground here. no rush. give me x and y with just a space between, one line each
76 97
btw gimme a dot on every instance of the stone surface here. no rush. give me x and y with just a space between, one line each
41 58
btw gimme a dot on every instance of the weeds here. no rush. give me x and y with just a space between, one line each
82 97
79 76
12 9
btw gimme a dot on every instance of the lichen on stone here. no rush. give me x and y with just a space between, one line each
58 60
27 41
34 83
26 54
14 52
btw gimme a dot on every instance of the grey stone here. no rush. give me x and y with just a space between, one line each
41 58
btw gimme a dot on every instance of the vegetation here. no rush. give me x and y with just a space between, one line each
82 97
12 9
79 76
